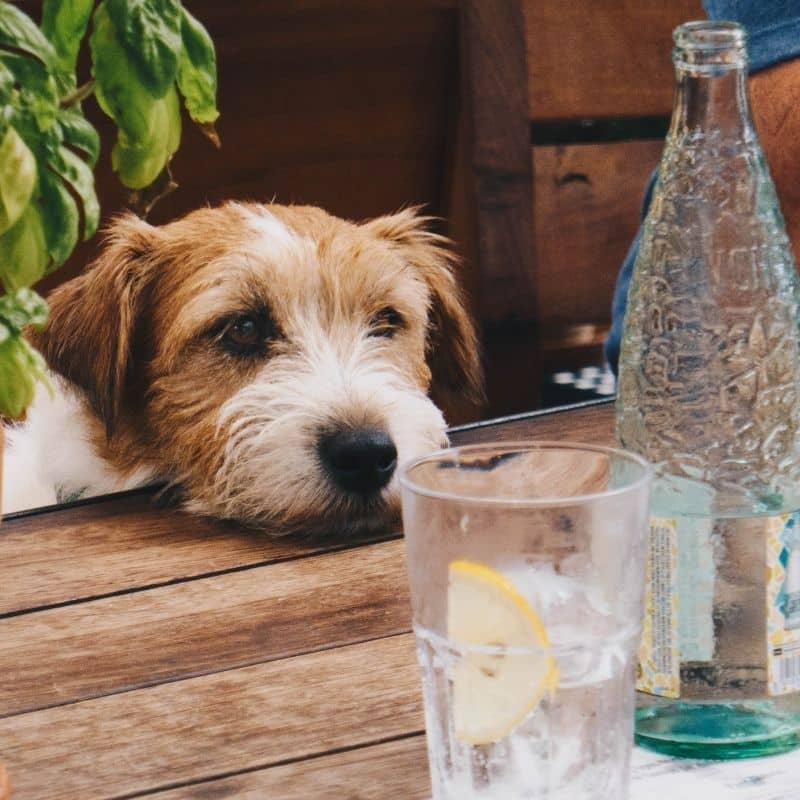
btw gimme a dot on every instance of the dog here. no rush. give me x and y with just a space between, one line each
272 364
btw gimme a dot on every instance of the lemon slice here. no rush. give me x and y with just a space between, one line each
494 691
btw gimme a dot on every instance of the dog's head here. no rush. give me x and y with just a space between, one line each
274 362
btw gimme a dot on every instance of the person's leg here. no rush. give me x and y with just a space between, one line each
775 97
620 300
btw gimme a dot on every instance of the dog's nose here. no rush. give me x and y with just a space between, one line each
359 460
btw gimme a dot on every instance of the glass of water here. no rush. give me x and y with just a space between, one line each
526 563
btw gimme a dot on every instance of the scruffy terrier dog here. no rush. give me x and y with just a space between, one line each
272 363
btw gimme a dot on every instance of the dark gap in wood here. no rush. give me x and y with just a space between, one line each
223 776
541 412
596 131
322 551
84 501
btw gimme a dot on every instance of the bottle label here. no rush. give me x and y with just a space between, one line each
783 604
659 655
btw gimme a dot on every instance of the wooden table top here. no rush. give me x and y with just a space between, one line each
148 653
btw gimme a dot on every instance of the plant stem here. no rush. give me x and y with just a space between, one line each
80 94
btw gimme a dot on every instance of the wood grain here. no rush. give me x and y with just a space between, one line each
607 58
123 544
493 57
68 654
499 182
588 201
397 769
325 717
593 424
119 545
206 727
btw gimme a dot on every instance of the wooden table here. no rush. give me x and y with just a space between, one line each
148 653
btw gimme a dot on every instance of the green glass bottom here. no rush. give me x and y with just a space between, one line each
717 730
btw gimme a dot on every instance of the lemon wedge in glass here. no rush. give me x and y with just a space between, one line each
506 666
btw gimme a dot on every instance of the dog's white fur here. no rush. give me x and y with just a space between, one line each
50 459
268 423
247 448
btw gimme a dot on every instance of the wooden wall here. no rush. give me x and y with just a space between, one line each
358 105
565 106
599 93
345 104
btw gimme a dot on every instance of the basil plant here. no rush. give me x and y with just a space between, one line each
145 57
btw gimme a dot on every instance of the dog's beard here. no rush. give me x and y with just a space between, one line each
271 474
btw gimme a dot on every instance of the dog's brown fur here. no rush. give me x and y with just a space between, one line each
133 332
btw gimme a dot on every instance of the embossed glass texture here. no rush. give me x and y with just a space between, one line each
708 392
709 369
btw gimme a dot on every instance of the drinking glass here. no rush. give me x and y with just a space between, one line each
526 564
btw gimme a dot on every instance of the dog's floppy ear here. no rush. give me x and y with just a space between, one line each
453 351
89 335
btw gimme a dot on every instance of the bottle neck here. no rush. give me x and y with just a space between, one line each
712 103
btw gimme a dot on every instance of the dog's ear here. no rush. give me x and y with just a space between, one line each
89 336
453 351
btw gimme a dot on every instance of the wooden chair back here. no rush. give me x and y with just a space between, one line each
563 111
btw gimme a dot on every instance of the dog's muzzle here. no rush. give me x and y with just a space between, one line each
359 460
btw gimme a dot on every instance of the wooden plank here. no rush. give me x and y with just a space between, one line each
397 769
122 544
497 181
214 725
112 546
493 81
74 653
588 201
592 424
607 58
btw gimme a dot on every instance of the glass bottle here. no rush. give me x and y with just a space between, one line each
709 392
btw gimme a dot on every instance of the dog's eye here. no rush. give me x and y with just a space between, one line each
244 335
386 323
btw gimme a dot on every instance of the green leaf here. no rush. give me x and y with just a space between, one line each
139 163
149 127
64 24
6 83
19 32
121 96
56 206
36 91
23 251
22 308
79 175
6 97
6 114
150 32
20 369
60 218
17 178
79 133
197 71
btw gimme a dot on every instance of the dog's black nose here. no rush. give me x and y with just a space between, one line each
359 460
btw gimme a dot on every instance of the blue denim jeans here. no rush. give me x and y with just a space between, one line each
773 35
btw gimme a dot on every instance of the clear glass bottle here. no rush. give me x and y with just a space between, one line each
709 392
